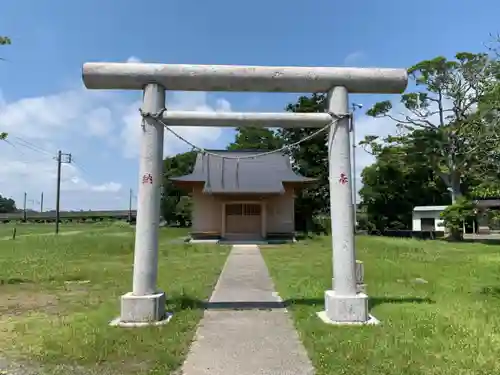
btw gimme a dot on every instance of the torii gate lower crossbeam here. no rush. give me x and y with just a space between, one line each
145 304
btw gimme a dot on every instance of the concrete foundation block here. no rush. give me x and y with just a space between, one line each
142 310
346 309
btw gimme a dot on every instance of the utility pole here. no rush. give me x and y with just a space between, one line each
130 206
354 106
41 202
24 206
61 158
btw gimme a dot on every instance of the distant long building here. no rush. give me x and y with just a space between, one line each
50 216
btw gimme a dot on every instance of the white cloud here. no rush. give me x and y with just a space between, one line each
188 101
199 136
133 59
223 105
99 121
42 117
85 123
354 58
112 187
33 173
74 181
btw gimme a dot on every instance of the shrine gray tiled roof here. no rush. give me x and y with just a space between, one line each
263 174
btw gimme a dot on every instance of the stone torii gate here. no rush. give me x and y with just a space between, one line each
146 304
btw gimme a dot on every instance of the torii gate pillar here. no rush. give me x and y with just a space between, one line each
145 305
343 304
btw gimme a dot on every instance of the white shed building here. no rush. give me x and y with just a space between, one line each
427 218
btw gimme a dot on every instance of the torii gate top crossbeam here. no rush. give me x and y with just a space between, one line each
186 77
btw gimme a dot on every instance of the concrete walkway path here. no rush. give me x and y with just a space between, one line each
245 329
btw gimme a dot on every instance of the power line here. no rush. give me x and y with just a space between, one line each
18 144
61 158
80 167
13 146
32 146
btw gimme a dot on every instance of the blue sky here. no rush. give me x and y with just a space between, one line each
43 102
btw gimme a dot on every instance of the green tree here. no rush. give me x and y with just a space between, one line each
4 40
487 185
175 166
183 210
455 215
310 159
456 139
399 180
252 138
7 205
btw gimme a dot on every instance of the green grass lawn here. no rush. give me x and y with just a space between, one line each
58 294
25 229
449 325
29 229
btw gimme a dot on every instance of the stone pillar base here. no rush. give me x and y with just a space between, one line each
138 311
346 309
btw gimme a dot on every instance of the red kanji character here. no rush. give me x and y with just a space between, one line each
343 179
147 179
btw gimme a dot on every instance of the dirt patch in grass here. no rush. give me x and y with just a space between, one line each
29 298
60 293
23 302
